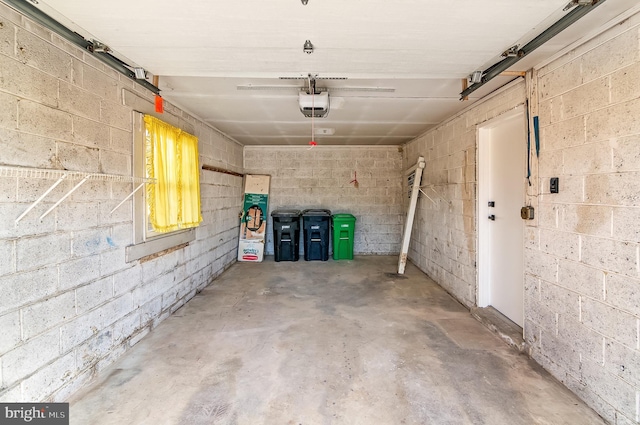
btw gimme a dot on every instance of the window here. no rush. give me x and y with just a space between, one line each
166 212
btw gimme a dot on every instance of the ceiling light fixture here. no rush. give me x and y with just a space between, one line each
308 47
304 2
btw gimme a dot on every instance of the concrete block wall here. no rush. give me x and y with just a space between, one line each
69 303
304 178
444 237
582 251
582 256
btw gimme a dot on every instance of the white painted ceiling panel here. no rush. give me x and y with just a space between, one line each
204 51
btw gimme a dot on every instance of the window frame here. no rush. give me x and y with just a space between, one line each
145 241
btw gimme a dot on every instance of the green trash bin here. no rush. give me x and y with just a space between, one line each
343 229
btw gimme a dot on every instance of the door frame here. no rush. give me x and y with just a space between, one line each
483 284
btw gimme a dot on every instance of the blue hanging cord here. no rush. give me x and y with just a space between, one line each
528 144
536 131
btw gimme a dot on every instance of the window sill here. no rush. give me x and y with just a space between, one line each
159 244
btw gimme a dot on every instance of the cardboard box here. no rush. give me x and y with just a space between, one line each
251 250
253 221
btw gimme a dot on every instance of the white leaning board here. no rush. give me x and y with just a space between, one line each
408 224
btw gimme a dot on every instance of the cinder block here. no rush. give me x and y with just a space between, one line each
586 219
532 336
90 242
29 357
560 352
94 294
8 190
77 71
582 340
67 46
121 235
586 159
610 255
135 338
92 191
77 216
560 80
151 311
611 389
12 395
586 98
125 327
621 419
126 280
550 111
115 163
47 380
121 141
78 158
622 292
626 155
563 134
116 115
30 225
560 244
91 323
560 300
26 150
588 392
26 82
74 384
31 189
112 261
42 55
622 362
539 264
11 334
90 133
77 272
610 322
8 111
97 347
97 82
46 314
581 279
624 83
40 251
42 120
616 121
7 254
616 53
7 37
77 101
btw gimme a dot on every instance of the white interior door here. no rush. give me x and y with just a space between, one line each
501 193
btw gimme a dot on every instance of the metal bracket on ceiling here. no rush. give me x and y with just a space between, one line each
98 49
582 8
574 3
311 81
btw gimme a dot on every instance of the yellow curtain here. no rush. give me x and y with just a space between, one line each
172 159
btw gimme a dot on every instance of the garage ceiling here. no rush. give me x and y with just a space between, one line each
402 61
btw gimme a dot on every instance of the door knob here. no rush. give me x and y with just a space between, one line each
492 217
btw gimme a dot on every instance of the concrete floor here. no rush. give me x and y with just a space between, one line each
337 342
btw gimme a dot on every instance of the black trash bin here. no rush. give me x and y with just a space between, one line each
316 224
286 235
